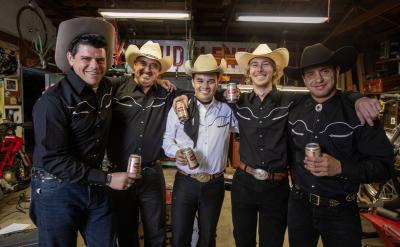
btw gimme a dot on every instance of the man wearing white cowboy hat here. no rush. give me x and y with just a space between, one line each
140 111
260 186
207 132
323 199
71 122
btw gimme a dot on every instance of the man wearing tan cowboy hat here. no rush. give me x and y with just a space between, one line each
323 199
260 188
199 190
71 123
140 110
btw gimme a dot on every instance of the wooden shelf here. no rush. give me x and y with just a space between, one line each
388 60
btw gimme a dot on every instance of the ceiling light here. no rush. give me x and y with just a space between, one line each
145 14
281 19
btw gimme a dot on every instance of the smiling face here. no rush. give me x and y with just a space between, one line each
321 81
205 86
146 71
261 71
89 63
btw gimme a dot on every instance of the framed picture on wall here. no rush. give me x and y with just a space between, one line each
10 84
13 114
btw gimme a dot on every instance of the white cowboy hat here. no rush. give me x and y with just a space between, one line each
150 50
70 29
205 64
280 57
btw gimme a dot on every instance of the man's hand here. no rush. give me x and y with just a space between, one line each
367 110
166 84
183 98
325 165
181 157
121 180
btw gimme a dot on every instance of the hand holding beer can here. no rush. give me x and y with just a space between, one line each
181 111
135 165
313 150
231 94
192 161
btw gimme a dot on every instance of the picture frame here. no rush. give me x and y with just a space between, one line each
13 113
10 84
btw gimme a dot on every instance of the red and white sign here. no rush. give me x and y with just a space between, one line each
179 51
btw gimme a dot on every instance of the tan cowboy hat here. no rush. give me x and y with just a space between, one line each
205 64
70 29
150 50
318 54
280 57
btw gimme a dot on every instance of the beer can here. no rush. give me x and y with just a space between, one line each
231 96
313 150
135 165
193 164
181 111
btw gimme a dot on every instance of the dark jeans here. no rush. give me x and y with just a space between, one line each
148 196
265 201
190 197
61 209
338 226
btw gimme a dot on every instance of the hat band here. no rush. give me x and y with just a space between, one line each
151 56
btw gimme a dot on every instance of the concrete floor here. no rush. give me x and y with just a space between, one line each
9 214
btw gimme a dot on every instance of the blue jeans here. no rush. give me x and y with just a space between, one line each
338 226
61 209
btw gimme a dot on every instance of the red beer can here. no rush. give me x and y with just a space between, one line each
231 93
181 111
313 150
193 164
135 165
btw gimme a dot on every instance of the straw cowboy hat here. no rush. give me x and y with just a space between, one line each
280 56
70 29
205 64
318 54
150 50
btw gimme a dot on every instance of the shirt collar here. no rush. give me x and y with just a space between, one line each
136 86
77 83
330 105
273 95
211 105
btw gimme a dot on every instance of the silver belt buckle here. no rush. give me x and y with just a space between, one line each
260 174
202 177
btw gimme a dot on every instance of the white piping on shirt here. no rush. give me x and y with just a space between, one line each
240 115
85 102
134 101
269 114
355 127
301 121
341 136
297 133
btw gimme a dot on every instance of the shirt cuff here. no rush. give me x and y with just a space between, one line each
172 150
96 176
350 170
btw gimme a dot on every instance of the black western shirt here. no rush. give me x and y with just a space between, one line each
364 152
139 121
71 124
262 124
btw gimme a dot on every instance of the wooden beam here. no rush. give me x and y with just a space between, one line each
339 25
371 14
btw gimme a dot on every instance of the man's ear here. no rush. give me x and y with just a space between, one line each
70 58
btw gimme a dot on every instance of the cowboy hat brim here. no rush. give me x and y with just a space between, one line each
344 57
280 57
70 29
133 52
219 69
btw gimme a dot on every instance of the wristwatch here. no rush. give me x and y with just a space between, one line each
109 178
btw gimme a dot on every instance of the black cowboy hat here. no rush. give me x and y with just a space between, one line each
318 54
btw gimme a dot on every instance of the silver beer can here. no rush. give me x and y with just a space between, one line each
231 93
192 161
135 165
181 111
313 150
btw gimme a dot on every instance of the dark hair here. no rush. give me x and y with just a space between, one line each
92 39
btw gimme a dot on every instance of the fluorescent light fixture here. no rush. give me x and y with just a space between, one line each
281 19
145 14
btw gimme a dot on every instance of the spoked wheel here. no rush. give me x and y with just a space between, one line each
31 25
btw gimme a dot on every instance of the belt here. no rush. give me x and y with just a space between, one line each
318 200
42 174
261 174
202 177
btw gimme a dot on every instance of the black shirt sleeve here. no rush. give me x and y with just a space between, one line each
55 145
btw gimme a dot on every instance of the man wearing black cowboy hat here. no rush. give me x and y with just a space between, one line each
323 197
72 121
